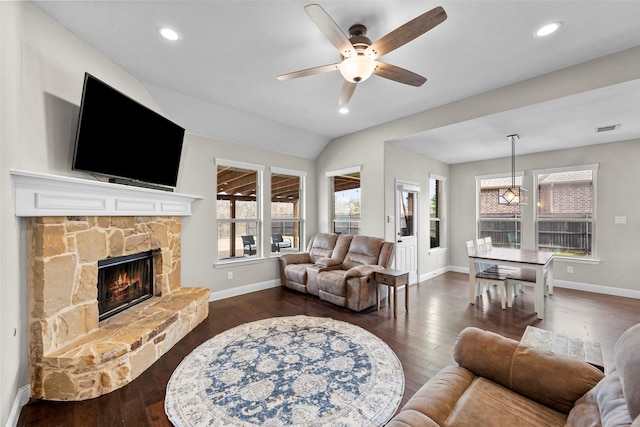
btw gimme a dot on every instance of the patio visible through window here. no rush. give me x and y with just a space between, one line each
346 203
286 218
237 212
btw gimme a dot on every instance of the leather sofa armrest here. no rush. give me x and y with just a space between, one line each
296 258
362 270
553 380
328 263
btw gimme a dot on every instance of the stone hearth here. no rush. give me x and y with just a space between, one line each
72 224
75 357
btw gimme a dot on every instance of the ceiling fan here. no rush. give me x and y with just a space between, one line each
358 54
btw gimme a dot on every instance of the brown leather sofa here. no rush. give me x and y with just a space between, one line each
338 269
499 382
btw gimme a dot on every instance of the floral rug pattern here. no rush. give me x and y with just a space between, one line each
287 371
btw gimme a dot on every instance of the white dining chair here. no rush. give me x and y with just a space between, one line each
483 278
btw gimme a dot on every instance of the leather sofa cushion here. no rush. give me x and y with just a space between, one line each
363 250
485 403
297 272
333 282
435 400
553 380
322 246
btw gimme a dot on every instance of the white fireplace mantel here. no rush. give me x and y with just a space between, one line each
40 194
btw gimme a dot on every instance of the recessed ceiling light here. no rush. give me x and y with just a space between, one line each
548 29
343 110
169 34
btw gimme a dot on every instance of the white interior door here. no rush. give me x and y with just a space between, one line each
407 229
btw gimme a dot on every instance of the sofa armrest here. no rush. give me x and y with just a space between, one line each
296 258
328 263
362 270
432 404
553 380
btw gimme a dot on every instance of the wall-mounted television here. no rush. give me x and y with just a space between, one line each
121 138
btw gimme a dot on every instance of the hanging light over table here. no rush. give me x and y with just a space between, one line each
513 195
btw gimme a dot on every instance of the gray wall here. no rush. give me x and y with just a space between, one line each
616 244
42 70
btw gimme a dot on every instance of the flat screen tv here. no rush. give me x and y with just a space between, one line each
120 138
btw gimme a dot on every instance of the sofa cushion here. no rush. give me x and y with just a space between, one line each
611 402
333 282
627 358
363 250
321 246
550 379
485 403
585 412
435 400
297 272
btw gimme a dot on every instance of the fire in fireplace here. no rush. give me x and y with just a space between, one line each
123 282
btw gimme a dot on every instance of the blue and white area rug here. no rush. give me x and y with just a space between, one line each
287 371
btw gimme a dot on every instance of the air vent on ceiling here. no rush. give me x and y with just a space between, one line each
607 128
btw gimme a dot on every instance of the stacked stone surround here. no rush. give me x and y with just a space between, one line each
72 355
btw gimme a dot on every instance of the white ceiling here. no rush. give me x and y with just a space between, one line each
219 79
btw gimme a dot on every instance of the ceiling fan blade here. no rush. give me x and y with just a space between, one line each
398 74
347 91
330 29
309 72
407 32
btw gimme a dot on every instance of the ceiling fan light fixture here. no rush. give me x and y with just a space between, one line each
357 69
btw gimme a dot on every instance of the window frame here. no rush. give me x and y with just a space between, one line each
516 219
332 194
301 218
593 220
258 221
441 217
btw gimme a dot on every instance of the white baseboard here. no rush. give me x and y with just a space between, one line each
21 399
598 289
228 293
587 287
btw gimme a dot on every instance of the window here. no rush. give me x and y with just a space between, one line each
238 210
346 201
287 190
435 211
565 214
497 219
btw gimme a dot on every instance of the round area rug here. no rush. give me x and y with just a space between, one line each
287 371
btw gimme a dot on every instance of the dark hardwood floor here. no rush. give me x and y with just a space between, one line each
422 339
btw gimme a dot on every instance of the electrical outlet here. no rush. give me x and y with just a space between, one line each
620 220
570 269
230 275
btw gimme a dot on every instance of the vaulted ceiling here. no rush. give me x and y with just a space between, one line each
219 78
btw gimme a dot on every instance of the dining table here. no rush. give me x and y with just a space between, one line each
540 261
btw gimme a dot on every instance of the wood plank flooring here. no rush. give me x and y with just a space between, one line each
422 339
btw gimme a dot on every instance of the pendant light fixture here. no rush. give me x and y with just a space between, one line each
513 195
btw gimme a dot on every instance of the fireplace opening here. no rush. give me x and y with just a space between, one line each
124 282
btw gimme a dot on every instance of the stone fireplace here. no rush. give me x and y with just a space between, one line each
73 354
